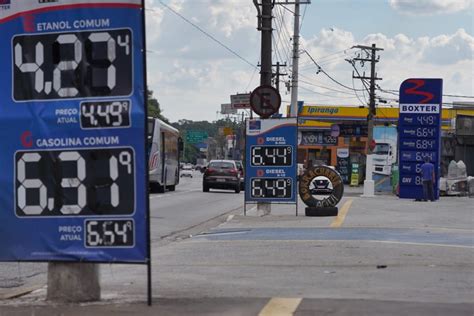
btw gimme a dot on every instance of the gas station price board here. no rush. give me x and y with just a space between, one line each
73 119
419 130
271 160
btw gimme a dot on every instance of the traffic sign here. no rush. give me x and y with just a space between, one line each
73 133
228 109
419 129
240 101
265 101
195 137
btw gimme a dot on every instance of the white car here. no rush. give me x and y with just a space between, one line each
187 171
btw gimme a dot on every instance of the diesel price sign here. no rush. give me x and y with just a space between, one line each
73 115
271 160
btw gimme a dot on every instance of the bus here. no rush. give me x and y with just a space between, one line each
164 150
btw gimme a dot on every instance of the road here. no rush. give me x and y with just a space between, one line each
172 215
380 256
178 211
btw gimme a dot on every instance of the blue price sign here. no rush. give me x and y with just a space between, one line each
419 128
271 150
73 131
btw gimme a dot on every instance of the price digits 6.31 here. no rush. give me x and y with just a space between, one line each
72 65
75 182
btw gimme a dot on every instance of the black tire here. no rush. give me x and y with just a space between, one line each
321 211
237 188
172 188
205 188
161 188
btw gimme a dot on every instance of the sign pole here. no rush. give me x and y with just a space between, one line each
147 205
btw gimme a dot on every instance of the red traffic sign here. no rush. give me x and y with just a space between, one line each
265 101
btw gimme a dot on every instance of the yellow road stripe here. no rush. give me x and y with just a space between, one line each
341 216
278 306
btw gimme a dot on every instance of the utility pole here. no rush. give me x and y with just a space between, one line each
371 52
296 56
266 65
266 49
278 74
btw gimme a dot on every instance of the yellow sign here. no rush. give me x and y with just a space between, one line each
228 131
323 116
354 179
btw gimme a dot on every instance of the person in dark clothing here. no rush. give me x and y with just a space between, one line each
428 177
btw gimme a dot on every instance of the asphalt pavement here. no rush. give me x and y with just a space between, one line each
380 256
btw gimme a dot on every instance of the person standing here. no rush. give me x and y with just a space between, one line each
428 177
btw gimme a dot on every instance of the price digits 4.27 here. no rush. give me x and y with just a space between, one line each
77 182
72 65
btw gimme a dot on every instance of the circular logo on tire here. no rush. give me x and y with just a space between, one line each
322 182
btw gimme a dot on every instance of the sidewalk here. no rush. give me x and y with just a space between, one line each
417 254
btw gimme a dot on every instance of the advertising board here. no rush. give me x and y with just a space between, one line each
271 153
73 115
419 133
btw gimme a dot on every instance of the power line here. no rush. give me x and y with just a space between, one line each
395 92
357 95
323 94
283 29
302 19
251 78
327 95
323 87
458 96
207 34
322 59
332 79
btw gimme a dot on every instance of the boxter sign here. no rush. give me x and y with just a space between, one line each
419 128
73 117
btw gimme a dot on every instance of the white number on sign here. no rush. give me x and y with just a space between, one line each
30 184
67 65
32 67
74 182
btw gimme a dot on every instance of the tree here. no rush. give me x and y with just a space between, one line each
154 109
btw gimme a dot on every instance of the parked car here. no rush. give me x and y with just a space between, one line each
240 167
221 174
187 171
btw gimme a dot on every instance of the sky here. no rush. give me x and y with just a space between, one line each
202 51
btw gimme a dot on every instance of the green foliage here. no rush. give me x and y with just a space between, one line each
154 109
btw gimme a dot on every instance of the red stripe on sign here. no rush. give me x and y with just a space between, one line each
73 6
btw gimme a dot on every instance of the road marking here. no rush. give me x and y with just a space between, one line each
424 244
162 195
278 306
341 216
